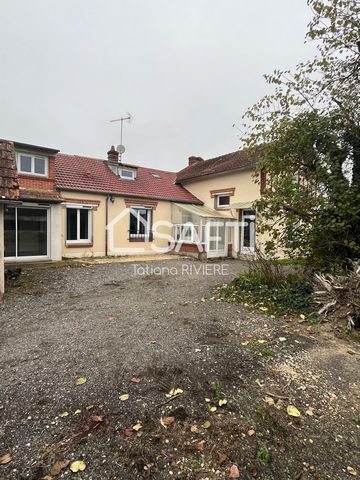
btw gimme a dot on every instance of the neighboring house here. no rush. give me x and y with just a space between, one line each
32 227
227 185
9 194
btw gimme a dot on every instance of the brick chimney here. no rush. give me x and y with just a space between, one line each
194 160
113 156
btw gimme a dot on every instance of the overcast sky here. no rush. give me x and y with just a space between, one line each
185 69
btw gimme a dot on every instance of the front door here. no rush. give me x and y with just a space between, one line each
216 238
26 233
247 231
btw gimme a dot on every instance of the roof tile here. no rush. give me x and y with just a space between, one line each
75 172
231 161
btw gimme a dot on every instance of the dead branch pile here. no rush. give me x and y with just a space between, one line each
339 296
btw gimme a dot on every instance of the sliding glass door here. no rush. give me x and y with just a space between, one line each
26 232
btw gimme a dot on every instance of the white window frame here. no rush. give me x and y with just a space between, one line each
222 195
83 241
17 258
149 220
133 176
33 157
186 232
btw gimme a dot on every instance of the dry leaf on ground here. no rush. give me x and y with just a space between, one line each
58 466
5 459
351 471
234 472
80 381
98 418
166 421
78 466
136 379
200 446
207 424
293 411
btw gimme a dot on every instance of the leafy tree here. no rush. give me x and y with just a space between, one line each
309 130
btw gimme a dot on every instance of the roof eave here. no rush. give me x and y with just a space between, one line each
35 148
117 194
207 175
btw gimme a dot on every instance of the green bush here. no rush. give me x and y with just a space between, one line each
278 295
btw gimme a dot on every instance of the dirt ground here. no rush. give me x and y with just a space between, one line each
107 324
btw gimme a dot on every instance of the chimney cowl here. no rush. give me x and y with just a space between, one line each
193 160
113 156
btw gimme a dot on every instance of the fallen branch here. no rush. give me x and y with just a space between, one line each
279 397
168 400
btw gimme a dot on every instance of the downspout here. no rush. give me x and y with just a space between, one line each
106 223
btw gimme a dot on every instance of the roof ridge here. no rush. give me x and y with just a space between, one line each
105 160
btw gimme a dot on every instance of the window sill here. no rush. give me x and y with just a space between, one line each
32 175
78 245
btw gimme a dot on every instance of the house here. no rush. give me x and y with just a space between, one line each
226 185
76 206
32 226
9 194
110 208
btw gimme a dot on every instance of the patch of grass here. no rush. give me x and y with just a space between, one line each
266 352
263 455
216 385
356 419
286 294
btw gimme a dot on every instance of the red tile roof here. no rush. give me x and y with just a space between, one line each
9 183
240 159
86 174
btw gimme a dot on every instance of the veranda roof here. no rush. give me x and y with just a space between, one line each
242 205
203 211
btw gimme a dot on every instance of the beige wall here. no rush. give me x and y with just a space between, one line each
118 235
246 190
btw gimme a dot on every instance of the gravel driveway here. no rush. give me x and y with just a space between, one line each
111 322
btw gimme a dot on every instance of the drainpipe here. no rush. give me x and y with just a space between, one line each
106 223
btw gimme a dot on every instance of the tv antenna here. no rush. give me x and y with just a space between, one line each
128 118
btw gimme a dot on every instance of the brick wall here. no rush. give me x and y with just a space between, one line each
32 182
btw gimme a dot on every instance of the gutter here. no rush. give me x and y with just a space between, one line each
122 195
106 223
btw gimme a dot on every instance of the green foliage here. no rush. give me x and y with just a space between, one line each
288 295
263 455
309 130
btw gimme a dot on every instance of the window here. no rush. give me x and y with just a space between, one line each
140 225
223 200
32 164
78 225
187 233
127 174
26 232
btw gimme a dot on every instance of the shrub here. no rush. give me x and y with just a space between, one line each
270 288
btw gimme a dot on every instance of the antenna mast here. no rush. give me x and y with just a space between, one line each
120 148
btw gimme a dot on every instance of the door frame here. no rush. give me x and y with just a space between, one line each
216 253
247 250
48 233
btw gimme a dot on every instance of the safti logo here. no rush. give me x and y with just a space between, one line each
215 233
